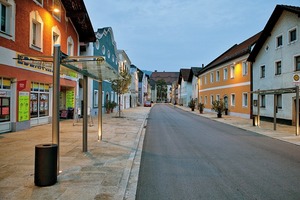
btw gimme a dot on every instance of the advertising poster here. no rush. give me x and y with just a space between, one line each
23 111
70 99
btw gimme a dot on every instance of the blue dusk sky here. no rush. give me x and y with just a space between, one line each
166 35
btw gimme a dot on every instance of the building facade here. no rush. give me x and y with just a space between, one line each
32 27
228 78
275 60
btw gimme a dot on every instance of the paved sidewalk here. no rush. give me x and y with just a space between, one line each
282 132
108 171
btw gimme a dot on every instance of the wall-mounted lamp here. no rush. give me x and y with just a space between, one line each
56 10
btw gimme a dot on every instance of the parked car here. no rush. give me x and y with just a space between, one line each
147 104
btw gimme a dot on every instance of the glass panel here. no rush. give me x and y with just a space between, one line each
43 105
33 105
4 109
6 83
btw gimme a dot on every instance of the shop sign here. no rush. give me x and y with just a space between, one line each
34 64
21 85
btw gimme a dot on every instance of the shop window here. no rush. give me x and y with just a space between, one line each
39 100
4 109
5 83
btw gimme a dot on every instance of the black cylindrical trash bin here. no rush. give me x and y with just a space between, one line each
45 168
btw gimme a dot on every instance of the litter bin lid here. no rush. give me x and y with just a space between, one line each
46 145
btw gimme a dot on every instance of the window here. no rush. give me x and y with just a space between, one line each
211 99
245 100
292 35
217 76
262 71
70 46
218 97
232 71
108 54
245 68
57 5
278 68
211 77
5 83
225 74
297 63
103 49
39 100
205 100
279 41
39 2
263 101
36 30
232 99
7 14
200 80
279 101
55 37
205 80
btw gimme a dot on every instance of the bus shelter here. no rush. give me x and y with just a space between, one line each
94 67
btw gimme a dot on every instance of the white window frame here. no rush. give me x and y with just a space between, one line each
245 99
36 39
263 72
276 67
245 68
225 73
9 33
70 45
205 100
57 4
205 80
218 76
39 2
218 97
211 99
232 69
55 31
289 35
211 77
277 45
232 99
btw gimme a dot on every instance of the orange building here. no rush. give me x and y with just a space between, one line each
228 78
33 27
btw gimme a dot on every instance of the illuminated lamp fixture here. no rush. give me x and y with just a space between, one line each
56 10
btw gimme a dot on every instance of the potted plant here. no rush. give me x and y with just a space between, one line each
219 107
107 105
192 104
201 107
113 104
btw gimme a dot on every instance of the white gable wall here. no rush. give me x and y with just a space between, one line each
268 56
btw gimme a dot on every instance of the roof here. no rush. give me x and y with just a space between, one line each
195 70
77 12
185 74
269 27
168 77
234 52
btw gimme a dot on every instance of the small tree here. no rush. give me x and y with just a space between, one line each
121 86
161 89
219 107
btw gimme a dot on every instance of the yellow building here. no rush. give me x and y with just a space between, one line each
228 77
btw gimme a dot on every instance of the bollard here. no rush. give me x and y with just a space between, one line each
45 168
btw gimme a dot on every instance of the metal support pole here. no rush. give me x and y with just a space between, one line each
297 110
55 94
275 110
85 113
99 110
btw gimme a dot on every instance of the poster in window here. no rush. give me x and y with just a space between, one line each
34 106
41 106
46 106
23 111
5 110
70 99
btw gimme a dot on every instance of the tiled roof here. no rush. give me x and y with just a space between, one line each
77 12
184 73
269 27
235 51
169 77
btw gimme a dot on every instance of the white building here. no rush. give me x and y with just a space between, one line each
124 65
184 87
276 59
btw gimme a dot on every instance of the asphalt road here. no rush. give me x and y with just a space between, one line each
190 157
